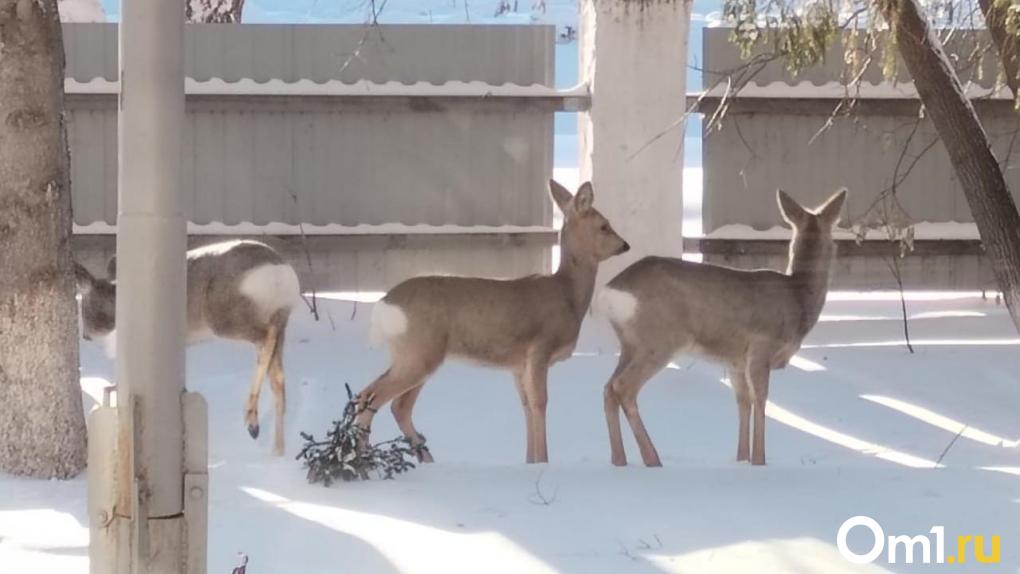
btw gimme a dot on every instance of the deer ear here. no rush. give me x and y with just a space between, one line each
82 278
585 197
561 196
111 267
791 210
829 212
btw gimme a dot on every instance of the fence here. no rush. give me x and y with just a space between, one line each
772 137
432 140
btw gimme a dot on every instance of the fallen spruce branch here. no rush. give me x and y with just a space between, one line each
339 458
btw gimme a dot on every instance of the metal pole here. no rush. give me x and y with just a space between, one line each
151 245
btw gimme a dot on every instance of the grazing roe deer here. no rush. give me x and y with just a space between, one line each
749 321
522 325
239 290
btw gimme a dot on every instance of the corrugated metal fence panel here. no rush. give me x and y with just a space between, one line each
315 160
754 154
290 52
767 144
722 56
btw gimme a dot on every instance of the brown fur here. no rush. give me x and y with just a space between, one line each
215 307
522 325
749 321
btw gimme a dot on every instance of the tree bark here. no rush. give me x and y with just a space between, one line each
42 427
214 11
995 12
965 140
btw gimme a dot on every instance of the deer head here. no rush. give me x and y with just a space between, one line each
98 303
812 247
587 234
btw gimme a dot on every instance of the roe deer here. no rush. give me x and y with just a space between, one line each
239 290
749 321
522 325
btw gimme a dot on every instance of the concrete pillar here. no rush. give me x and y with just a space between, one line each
151 245
634 57
148 527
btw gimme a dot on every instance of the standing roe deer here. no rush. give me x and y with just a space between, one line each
522 325
239 290
749 321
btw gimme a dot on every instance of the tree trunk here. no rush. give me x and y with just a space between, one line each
1005 44
965 140
42 427
214 11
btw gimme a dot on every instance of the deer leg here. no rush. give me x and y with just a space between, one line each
627 384
396 381
402 407
611 402
264 354
528 422
277 384
742 392
758 371
536 371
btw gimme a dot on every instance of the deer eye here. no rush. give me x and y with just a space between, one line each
605 227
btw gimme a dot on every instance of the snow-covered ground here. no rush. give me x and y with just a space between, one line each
857 423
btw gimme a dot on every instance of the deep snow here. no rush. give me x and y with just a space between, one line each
856 424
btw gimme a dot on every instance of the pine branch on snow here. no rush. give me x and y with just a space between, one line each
338 457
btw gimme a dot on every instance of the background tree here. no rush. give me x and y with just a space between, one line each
998 19
42 427
800 32
214 11
966 142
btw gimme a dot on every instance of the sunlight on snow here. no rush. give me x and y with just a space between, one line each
357 296
942 422
824 318
36 540
795 555
1014 470
805 364
920 343
907 295
421 548
778 413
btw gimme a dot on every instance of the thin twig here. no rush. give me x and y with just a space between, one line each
725 77
646 546
1009 150
945 451
314 305
539 497
372 25
894 268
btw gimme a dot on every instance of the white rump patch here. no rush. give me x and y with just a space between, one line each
272 287
618 306
388 321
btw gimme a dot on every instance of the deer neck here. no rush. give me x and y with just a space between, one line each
809 270
577 276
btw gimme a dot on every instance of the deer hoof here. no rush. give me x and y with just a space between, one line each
253 430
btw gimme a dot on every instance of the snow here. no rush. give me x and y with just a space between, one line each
81 11
857 423
922 230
